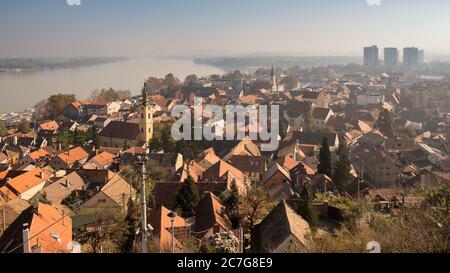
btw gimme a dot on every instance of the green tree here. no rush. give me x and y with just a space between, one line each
65 138
438 197
128 233
231 200
290 82
306 208
342 176
24 126
385 123
79 138
191 79
308 119
256 205
324 166
170 81
55 105
3 129
110 95
94 137
187 197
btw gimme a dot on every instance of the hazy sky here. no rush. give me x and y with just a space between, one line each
162 27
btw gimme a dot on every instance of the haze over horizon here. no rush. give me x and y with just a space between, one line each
49 28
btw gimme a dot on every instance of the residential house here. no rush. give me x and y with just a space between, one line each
73 158
207 158
379 167
321 116
320 99
10 211
277 182
113 197
40 229
101 122
48 129
27 184
210 217
295 113
280 231
253 167
120 134
102 108
162 230
315 138
76 110
103 160
61 188
168 164
224 172
37 157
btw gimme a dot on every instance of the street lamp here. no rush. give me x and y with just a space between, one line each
172 215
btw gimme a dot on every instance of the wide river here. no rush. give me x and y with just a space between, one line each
21 90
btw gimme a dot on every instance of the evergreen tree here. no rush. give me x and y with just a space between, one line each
94 137
231 201
188 196
306 208
79 138
324 166
342 176
24 126
65 138
309 124
3 129
131 223
385 123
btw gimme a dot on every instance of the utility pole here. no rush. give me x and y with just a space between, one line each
142 162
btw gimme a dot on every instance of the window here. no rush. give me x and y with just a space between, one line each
142 116
102 200
149 116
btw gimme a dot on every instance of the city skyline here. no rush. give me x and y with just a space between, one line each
152 28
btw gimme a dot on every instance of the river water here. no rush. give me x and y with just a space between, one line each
21 90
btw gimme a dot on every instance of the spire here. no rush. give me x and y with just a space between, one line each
144 94
272 72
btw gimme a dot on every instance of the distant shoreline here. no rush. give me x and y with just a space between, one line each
19 65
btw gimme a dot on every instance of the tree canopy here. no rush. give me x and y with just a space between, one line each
187 197
324 166
342 176
305 206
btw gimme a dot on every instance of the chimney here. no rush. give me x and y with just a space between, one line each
15 140
42 175
26 238
59 147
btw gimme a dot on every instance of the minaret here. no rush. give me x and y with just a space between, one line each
274 80
145 118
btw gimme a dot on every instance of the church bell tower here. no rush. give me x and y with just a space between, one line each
145 118
273 80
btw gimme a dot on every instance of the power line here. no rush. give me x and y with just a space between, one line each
49 226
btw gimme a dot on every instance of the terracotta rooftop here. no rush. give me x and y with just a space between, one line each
73 155
49 126
28 180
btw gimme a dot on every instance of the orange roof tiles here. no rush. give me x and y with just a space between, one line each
47 215
73 155
6 192
50 126
104 158
28 180
39 154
